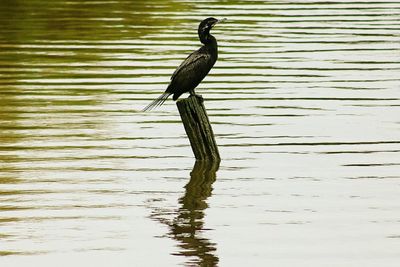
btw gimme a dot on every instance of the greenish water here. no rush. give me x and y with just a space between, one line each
304 101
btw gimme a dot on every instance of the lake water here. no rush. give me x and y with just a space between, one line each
304 102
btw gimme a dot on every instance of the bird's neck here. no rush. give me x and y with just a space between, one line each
210 43
205 37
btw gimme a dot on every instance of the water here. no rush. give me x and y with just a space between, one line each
304 101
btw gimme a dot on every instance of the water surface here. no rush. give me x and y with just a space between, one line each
304 101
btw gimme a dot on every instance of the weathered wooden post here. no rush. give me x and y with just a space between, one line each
198 128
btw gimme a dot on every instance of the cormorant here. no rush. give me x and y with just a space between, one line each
194 68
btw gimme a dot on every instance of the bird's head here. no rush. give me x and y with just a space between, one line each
205 27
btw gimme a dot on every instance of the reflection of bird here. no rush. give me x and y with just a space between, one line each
194 68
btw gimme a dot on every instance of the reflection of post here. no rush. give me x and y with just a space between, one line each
189 221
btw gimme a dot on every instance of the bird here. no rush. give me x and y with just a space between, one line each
194 68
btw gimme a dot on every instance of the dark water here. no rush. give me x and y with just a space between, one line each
304 101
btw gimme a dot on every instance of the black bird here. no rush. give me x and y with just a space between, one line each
194 68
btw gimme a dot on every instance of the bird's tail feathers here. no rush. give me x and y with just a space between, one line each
158 102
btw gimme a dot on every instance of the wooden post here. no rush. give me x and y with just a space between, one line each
198 128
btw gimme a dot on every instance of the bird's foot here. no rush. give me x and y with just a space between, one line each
199 97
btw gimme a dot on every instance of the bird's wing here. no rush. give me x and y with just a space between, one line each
191 62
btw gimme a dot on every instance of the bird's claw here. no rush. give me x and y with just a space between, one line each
199 97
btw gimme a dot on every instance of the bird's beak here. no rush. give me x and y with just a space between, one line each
219 21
